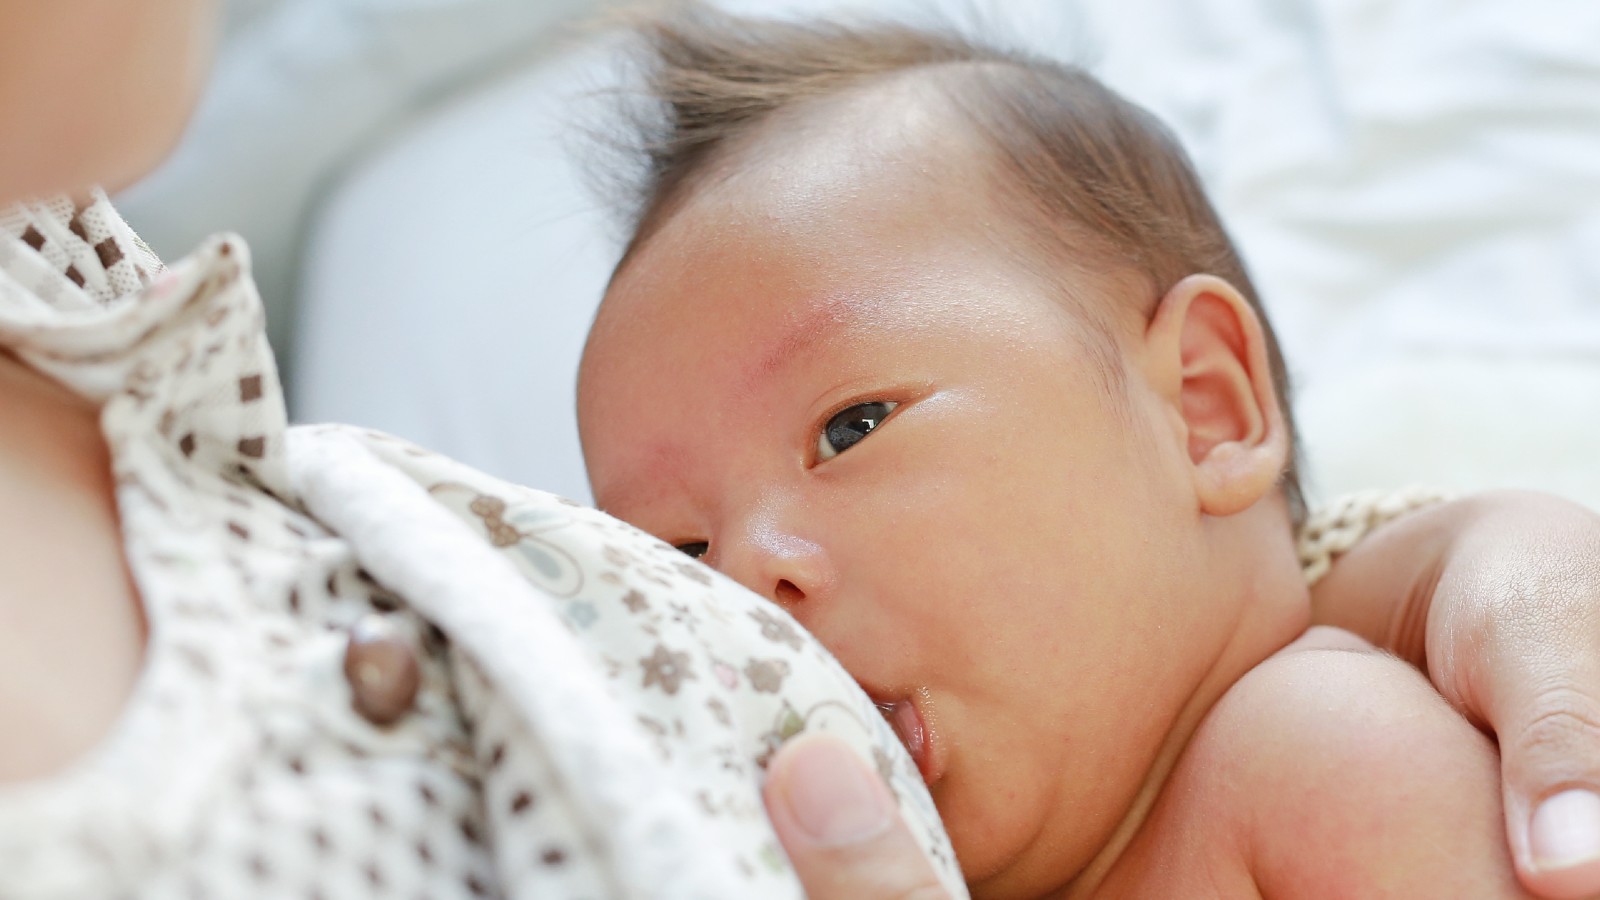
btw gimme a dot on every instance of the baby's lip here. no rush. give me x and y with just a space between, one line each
905 716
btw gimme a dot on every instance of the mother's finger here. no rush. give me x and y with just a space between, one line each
1551 778
1531 584
1549 734
839 825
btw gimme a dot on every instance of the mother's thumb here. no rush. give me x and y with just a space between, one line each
1551 777
839 825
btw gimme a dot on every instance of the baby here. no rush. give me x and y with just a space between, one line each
943 350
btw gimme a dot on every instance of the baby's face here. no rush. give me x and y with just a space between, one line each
827 379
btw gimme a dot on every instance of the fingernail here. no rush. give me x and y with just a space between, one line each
1565 830
831 795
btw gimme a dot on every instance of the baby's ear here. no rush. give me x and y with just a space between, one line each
1207 356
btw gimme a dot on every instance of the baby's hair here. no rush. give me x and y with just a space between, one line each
1104 185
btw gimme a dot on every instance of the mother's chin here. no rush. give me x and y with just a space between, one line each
122 80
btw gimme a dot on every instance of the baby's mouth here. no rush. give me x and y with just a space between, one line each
903 717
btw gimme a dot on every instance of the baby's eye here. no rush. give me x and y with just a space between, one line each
695 549
849 426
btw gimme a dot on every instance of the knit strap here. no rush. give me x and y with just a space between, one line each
1336 528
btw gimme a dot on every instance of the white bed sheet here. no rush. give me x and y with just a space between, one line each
1415 184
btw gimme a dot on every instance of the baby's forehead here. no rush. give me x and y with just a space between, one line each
878 177
894 165
893 136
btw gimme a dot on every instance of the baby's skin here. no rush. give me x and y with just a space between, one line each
1053 549
1329 770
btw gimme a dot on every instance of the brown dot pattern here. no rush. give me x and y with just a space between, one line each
247 773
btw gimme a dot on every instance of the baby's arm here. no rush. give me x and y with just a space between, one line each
1348 776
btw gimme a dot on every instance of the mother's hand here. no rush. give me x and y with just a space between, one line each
1501 607
840 827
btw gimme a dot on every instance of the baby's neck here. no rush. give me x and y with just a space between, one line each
1277 610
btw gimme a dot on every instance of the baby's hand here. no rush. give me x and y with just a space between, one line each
839 826
1497 597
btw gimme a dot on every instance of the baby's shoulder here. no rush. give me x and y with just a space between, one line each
1328 698
1347 774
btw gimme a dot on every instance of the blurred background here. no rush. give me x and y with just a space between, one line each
1415 184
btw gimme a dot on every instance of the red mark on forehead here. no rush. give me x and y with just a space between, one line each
802 331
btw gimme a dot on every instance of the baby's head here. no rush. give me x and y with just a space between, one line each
944 350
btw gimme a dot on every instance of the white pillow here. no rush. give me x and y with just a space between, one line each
452 278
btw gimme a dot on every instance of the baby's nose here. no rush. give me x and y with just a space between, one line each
777 563
787 593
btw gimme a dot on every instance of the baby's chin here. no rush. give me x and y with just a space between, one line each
1001 844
